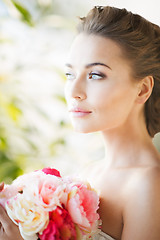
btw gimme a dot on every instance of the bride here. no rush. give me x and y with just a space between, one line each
113 86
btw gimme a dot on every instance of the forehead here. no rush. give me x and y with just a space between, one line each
90 48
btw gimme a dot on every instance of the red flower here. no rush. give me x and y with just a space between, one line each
51 171
60 227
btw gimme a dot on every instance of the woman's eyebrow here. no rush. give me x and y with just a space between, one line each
68 65
90 65
97 63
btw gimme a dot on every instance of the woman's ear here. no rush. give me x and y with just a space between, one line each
145 89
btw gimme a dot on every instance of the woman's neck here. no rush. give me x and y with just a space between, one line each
128 146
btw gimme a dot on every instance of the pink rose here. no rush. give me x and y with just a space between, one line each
48 192
51 171
60 226
82 205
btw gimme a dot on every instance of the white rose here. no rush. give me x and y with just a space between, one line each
30 217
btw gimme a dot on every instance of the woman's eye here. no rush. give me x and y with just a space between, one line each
69 76
96 76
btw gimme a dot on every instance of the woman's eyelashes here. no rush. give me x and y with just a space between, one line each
96 76
70 76
92 75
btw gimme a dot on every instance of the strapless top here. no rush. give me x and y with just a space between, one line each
102 236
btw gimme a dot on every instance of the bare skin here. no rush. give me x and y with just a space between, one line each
126 206
112 102
128 179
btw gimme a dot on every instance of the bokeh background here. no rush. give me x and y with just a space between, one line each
35 130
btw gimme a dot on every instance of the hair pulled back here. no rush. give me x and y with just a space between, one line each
140 42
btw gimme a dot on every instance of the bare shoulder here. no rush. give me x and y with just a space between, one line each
144 184
141 213
148 178
152 175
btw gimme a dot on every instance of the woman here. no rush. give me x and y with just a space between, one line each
113 86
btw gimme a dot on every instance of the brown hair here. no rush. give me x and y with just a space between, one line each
140 41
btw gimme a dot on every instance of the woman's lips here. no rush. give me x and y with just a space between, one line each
78 112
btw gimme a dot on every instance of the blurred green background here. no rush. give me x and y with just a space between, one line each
35 131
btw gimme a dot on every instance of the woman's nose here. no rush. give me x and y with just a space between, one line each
78 89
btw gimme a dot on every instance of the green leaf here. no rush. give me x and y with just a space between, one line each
14 112
3 157
9 171
3 143
25 14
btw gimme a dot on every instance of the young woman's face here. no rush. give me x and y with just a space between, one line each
100 91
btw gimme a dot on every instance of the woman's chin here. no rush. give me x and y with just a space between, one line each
84 129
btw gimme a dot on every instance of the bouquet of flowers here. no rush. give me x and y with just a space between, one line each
46 206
